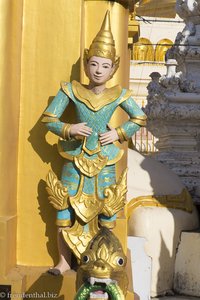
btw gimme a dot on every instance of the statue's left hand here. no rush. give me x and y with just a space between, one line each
109 136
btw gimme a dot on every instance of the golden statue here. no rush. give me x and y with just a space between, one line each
88 196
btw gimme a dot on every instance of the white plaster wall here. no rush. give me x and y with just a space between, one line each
160 30
140 71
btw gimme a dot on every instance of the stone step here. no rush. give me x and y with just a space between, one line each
35 283
187 271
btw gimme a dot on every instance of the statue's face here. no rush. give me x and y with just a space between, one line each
99 70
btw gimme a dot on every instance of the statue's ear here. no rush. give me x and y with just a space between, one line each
85 60
115 66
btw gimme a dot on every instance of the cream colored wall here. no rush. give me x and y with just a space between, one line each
140 71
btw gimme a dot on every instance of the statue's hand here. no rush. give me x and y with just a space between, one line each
109 136
80 129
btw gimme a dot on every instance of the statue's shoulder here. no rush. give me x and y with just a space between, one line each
125 95
66 87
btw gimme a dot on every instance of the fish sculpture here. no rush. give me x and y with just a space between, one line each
101 273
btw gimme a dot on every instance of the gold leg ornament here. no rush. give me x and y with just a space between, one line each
87 208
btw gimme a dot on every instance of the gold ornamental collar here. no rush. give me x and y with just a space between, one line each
93 101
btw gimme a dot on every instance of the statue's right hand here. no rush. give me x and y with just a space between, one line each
80 129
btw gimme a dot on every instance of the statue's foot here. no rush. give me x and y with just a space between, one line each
61 267
54 271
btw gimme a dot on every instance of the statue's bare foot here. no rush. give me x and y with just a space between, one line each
60 268
54 271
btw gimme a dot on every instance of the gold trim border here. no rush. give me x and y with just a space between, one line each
63 223
181 201
107 224
46 119
71 157
127 95
138 121
48 114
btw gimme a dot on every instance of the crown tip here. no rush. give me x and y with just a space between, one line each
106 22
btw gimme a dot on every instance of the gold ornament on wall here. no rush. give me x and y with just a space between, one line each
161 49
143 50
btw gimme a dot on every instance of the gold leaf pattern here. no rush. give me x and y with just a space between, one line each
58 194
115 196
89 167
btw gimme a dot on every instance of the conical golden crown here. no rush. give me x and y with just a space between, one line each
103 44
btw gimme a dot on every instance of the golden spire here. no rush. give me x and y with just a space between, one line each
103 44
104 35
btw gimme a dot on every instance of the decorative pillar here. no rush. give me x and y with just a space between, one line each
10 60
173 107
41 44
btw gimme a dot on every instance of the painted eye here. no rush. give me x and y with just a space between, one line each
120 261
86 259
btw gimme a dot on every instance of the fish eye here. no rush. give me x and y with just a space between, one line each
86 259
120 261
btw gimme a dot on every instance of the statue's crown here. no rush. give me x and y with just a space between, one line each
103 44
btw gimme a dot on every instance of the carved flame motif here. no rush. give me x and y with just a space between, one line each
58 194
103 252
77 239
87 208
115 196
90 167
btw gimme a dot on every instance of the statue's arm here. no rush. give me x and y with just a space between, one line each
136 120
52 114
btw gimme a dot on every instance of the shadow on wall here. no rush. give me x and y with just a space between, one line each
48 216
164 274
49 154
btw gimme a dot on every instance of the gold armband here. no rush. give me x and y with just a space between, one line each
66 132
121 134
49 118
139 120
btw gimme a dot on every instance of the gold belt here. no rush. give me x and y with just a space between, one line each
87 166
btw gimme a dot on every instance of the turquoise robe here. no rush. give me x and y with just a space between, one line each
97 119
